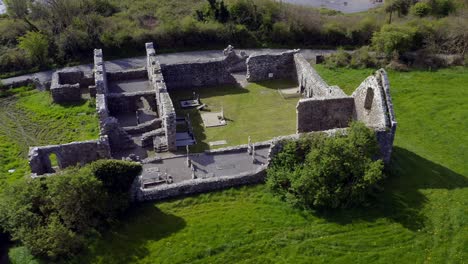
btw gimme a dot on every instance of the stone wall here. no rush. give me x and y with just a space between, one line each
132 74
128 102
76 153
65 87
310 82
166 108
100 73
197 74
262 67
199 186
324 113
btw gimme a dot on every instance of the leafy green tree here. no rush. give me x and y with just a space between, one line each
328 172
36 45
54 216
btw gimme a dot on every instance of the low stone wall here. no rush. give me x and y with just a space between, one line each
310 82
75 153
323 114
196 186
145 127
196 74
128 102
132 74
270 66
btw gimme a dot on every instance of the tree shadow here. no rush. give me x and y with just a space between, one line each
127 241
402 200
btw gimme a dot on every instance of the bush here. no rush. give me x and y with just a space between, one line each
421 9
327 172
390 38
339 59
116 175
363 58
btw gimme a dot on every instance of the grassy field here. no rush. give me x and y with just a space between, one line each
29 118
258 111
421 217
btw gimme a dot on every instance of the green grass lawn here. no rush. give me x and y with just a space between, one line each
258 111
29 118
420 218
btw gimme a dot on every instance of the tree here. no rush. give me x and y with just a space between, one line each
54 216
421 9
327 172
36 45
19 9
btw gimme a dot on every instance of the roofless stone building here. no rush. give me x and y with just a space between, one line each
137 115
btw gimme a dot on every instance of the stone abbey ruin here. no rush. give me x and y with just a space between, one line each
137 116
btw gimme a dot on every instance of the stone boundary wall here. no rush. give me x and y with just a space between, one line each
164 102
196 186
71 154
262 67
197 74
310 82
128 102
132 74
324 113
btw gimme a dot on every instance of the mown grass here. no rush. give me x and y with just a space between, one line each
30 118
421 217
258 111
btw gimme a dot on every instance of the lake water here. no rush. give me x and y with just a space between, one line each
2 7
345 6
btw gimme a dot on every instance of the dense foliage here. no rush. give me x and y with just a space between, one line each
327 172
69 29
53 216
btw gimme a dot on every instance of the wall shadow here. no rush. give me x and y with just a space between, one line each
401 199
127 241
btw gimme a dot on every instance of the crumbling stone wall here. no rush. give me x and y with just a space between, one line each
164 102
75 153
374 107
371 104
100 73
65 87
310 82
270 66
317 114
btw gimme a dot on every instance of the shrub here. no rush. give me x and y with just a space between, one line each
393 37
116 175
421 9
327 172
363 58
339 59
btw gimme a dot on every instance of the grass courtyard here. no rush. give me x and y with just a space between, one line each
258 111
